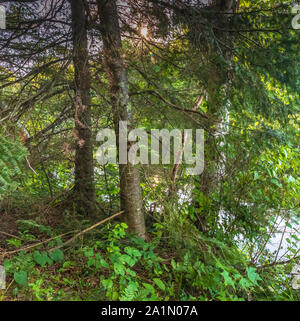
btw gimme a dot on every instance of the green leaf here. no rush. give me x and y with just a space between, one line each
124 225
160 284
89 252
252 275
291 179
91 262
276 182
149 287
228 280
56 255
244 283
7 265
127 259
119 268
129 292
41 258
107 283
130 272
21 277
132 251
100 262
59 241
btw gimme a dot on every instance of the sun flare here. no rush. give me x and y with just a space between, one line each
144 31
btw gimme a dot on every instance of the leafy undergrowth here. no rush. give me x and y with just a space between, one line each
108 264
176 263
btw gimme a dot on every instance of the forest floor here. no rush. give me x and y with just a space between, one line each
64 280
27 237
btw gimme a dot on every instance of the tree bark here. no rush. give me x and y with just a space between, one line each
84 189
130 190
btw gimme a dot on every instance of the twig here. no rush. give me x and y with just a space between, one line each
36 244
11 235
87 230
28 163
279 247
278 263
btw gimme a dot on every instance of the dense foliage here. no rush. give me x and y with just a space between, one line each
230 233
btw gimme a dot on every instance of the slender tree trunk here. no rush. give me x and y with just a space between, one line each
174 173
84 169
130 190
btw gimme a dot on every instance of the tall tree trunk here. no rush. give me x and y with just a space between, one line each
84 169
130 190
217 109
